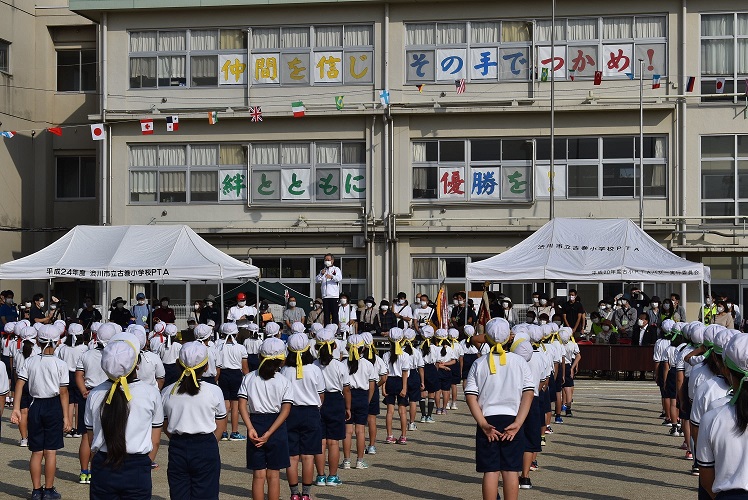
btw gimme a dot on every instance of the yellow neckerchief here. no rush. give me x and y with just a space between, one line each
495 349
265 358
398 347
299 363
353 351
328 343
554 336
372 355
123 379
189 370
426 342
571 339
409 342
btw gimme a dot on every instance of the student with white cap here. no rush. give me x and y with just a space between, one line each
541 365
169 353
304 424
157 337
29 348
124 417
70 352
415 376
272 329
252 345
4 386
499 394
429 352
723 442
47 377
204 333
363 377
232 363
572 357
456 368
444 357
150 367
269 397
469 352
194 420
396 388
371 355
89 374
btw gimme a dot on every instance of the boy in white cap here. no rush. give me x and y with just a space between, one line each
252 345
380 368
572 357
27 349
363 377
456 368
70 352
194 420
150 367
396 388
430 382
47 377
169 352
124 417
415 376
204 333
232 366
499 394
268 397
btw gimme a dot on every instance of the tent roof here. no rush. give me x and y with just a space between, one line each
588 250
129 253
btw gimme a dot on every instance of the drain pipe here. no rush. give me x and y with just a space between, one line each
386 154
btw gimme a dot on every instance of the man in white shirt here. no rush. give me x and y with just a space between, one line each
241 310
329 279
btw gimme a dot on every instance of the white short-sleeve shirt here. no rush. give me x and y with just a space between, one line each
719 447
660 349
4 382
335 375
236 312
570 352
365 374
44 374
307 389
499 393
150 368
538 369
90 365
231 357
71 354
197 414
170 355
468 348
699 375
380 367
253 346
709 391
211 368
146 413
401 364
265 396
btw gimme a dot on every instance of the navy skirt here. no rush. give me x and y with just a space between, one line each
467 363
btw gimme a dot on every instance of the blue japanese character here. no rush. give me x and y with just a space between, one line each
517 56
419 61
484 183
448 61
485 63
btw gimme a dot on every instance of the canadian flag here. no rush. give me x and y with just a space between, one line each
97 132
146 126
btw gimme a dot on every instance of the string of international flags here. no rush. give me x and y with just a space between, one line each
299 110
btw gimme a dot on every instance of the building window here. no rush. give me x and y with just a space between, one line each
487 51
188 173
76 70
312 55
4 56
76 177
306 171
724 177
724 55
429 273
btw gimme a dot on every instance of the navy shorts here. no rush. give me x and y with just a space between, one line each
230 381
498 455
661 377
545 401
392 387
685 404
359 407
551 386
467 363
273 454
131 481
194 469
445 380
304 431
456 373
532 425
253 360
559 384
45 424
670 386
431 378
74 394
732 495
414 386
374 407
332 416
569 381
25 397
171 373
210 380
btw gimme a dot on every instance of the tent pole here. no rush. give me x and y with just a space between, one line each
221 288
150 306
701 294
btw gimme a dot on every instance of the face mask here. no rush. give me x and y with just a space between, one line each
164 303
461 302
655 305
619 303
535 300
343 301
52 307
292 304
384 308
719 309
370 304
317 306
141 302
543 322
729 305
543 302
708 302
596 321
424 304
242 303
641 322
401 301
455 302
328 263
27 305
606 328
666 306
41 304
572 298
9 302
197 307
190 327
558 323
506 305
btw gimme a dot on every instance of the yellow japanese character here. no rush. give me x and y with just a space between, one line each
296 69
332 72
355 75
266 68
236 68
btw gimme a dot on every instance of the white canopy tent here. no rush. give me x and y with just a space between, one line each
130 253
589 250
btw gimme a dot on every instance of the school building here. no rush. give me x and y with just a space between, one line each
407 138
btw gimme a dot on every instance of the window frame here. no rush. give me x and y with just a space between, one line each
736 200
80 158
5 44
80 71
736 80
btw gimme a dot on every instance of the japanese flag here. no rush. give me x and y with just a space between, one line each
146 126
97 132
172 123
720 86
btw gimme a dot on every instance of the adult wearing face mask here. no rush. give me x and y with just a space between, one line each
423 314
367 315
292 315
400 305
209 312
509 313
163 312
573 313
543 306
724 317
89 314
678 307
605 310
625 319
316 315
605 333
459 308
639 300
708 311
37 314
8 312
241 310
648 332
120 314
329 279
55 311
347 313
385 319
141 311
654 311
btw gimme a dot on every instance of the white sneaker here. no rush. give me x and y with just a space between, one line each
360 464
412 426
346 464
424 419
454 406
23 443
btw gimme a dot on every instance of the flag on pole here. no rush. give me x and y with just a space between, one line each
442 310
55 130
598 78
255 114
720 86
384 97
690 84
571 74
630 75
484 312
655 81
172 123
146 126
420 88
97 132
544 75
298 109
213 117
460 86
8 134
339 102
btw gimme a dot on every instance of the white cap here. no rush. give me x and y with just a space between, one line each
469 330
105 333
95 326
554 327
20 326
138 333
211 323
409 334
38 326
547 329
272 329
667 325
297 327
133 328
396 334
48 333
368 338
253 327
686 331
171 329
159 327
120 356
229 328
453 333
28 333
316 327
564 334
522 347
520 330
711 331
498 330
697 333
116 326
192 354
441 333
535 332
297 342
736 351
272 347
356 340
9 327
203 332
427 331
61 325
75 329
325 335
344 328
722 338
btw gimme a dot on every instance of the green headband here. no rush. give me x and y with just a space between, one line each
733 366
709 348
